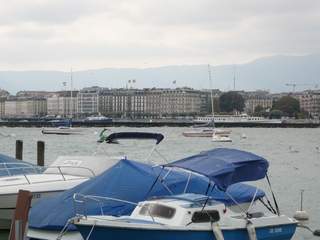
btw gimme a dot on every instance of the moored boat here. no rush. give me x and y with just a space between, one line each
205 132
65 173
198 216
62 131
186 216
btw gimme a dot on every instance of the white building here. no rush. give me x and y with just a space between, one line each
28 107
310 102
88 101
63 104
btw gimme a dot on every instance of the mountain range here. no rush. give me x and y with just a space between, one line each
268 73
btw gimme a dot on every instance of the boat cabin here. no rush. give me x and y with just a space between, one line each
179 210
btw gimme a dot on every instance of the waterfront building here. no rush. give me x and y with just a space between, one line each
2 107
257 98
88 101
64 104
310 102
34 94
150 103
113 102
180 101
25 107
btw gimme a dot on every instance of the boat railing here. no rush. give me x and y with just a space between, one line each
16 168
58 171
99 200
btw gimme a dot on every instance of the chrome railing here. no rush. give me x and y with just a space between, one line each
11 168
84 199
40 171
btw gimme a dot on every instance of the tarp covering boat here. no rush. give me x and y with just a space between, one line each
10 166
225 166
131 181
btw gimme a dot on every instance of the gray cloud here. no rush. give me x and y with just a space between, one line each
47 34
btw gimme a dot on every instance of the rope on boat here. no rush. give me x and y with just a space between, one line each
65 228
251 230
91 230
217 231
315 232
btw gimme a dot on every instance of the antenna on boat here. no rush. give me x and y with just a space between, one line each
211 92
234 77
71 92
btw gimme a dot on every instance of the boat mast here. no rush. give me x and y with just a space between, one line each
234 77
211 91
71 93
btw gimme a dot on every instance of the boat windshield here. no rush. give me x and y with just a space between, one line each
157 210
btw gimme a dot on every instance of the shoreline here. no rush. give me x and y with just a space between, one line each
158 123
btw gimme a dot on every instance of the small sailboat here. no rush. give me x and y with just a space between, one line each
207 129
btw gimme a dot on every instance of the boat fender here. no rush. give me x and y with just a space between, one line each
251 231
217 231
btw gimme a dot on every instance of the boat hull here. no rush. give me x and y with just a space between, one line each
206 133
63 131
283 232
8 205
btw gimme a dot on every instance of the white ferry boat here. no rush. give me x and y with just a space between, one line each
241 118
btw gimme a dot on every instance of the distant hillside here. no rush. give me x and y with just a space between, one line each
265 73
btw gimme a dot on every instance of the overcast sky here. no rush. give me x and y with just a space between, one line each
87 34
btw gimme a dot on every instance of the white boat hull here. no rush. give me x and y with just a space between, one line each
53 235
61 131
39 187
206 132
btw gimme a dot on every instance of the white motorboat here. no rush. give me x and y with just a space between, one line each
221 138
62 131
205 132
65 173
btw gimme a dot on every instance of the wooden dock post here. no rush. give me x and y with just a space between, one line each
40 153
20 217
19 149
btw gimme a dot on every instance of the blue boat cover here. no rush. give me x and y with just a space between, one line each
10 166
131 181
225 166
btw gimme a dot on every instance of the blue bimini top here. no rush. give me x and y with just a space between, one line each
225 166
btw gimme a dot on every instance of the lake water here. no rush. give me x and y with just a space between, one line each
290 170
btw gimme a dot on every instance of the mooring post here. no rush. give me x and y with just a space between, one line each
20 216
19 149
18 230
40 153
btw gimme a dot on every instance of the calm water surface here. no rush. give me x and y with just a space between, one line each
290 170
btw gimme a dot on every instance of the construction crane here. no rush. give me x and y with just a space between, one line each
294 85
